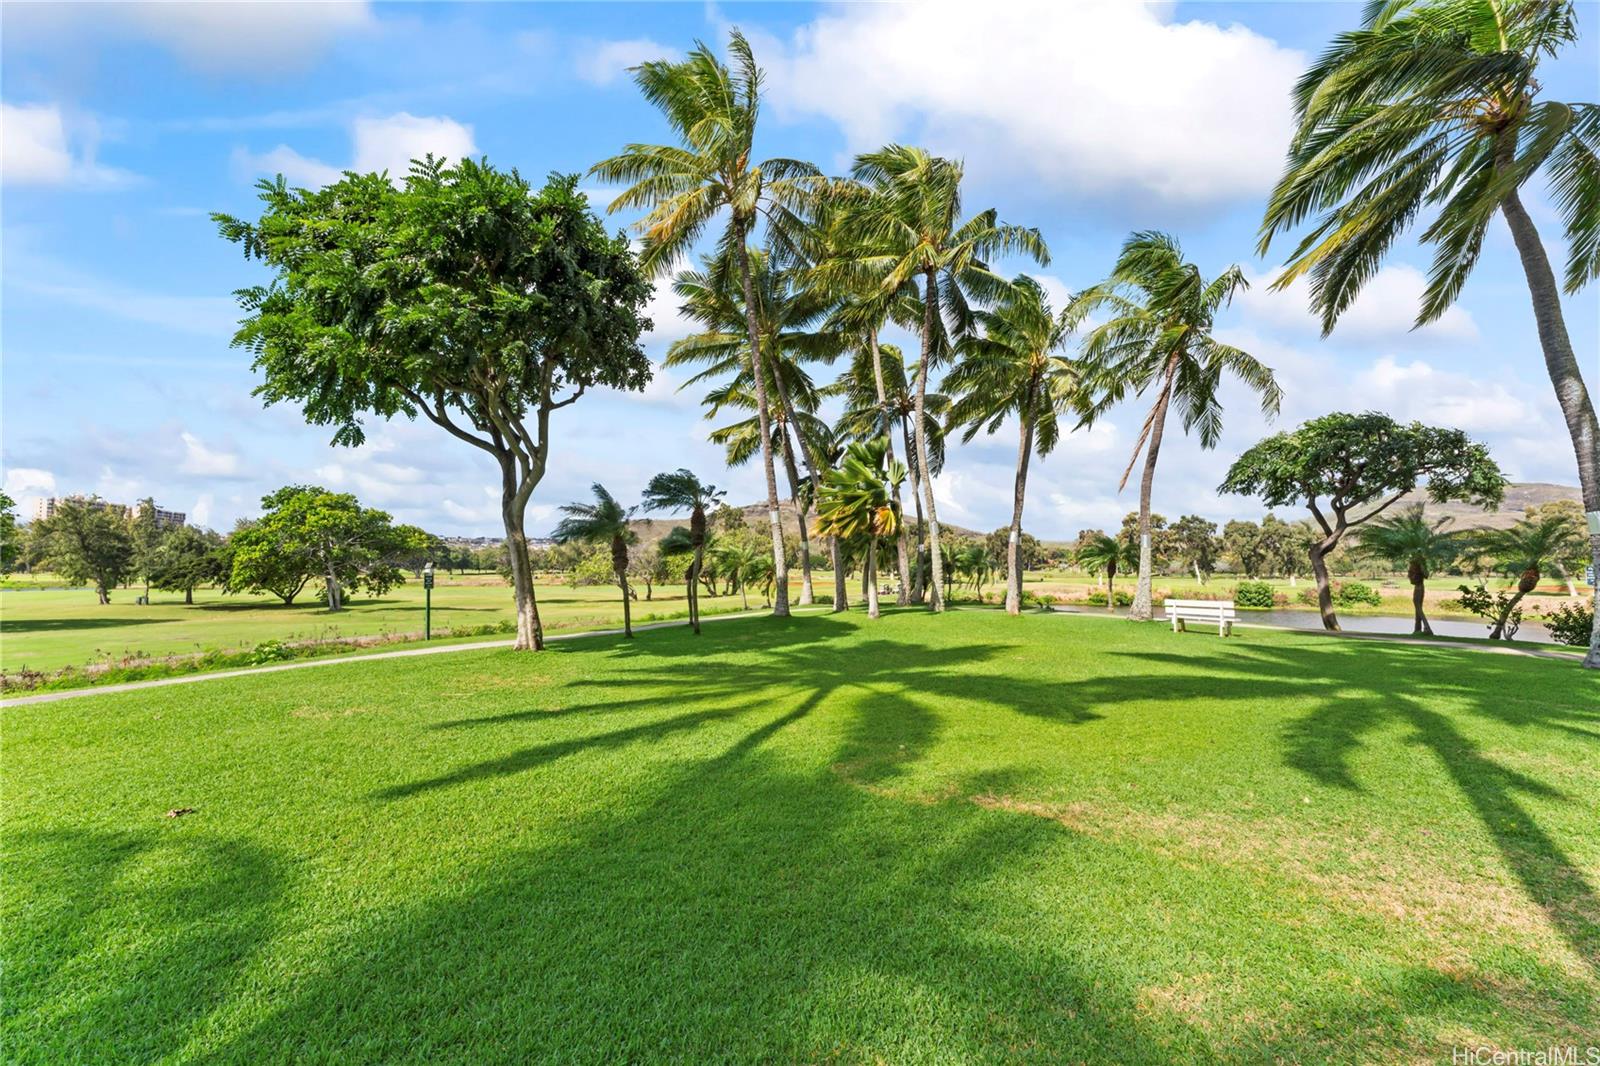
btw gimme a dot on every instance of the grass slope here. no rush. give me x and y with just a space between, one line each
963 838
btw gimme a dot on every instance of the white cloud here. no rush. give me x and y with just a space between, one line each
40 145
1386 309
1101 96
392 143
1418 390
606 61
250 39
201 461
377 144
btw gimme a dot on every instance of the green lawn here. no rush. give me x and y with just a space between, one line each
962 838
46 630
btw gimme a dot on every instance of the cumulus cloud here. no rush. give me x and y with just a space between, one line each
1101 97
1386 309
1421 391
606 61
201 461
40 145
377 144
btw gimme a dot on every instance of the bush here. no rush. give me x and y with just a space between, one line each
1098 599
1480 602
1256 594
1571 623
1355 594
270 651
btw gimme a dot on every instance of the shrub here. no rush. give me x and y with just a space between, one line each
1571 623
1354 594
1098 599
270 651
1256 594
1480 602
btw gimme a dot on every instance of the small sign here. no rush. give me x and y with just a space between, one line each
427 580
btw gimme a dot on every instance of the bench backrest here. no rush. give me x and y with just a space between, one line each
1201 607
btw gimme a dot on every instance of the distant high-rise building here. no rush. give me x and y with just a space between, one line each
46 507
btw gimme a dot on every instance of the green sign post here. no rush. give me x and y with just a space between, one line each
427 602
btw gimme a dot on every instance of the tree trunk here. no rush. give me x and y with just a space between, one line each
1014 543
872 577
1111 590
627 614
332 583
1319 567
101 593
930 318
792 445
1565 376
1418 587
918 575
902 543
1499 631
780 567
836 556
1141 610
188 597
530 635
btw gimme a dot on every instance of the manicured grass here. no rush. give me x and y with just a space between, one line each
963 838
46 630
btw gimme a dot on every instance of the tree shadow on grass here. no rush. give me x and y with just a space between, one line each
1385 686
128 941
71 625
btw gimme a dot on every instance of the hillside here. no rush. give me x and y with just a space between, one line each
755 516
1519 497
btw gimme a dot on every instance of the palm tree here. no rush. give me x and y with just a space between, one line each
1159 337
605 521
713 111
1101 553
910 228
1408 539
737 563
975 561
857 503
1432 104
867 416
677 492
789 316
1524 551
1013 368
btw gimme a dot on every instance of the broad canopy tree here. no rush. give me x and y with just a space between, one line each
463 294
87 540
1349 468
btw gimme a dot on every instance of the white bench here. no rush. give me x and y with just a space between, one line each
1219 613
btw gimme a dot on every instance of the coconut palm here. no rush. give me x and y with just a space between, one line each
857 504
605 521
1012 367
910 229
1524 551
677 492
1407 539
1432 106
1158 338
709 171
869 414
737 563
976 563
789 315
1100 553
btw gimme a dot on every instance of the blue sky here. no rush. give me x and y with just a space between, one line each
126 125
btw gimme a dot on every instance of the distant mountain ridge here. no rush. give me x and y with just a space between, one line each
1519 497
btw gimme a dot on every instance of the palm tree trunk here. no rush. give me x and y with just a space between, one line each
1142 610
918 578
1565 375
1111 591
806 594
902 544
1014 543
836 557
627 614
930 318
780 568
872 577
1499 631
1420 624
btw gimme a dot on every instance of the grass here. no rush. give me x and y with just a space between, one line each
963 838
49 629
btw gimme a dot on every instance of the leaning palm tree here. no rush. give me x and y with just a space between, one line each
1432 107
677 492
857 504
1524 551
605 521
1100 553
1158 339
789 318
1408 539
686 186
909 228
1013 367
738 564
